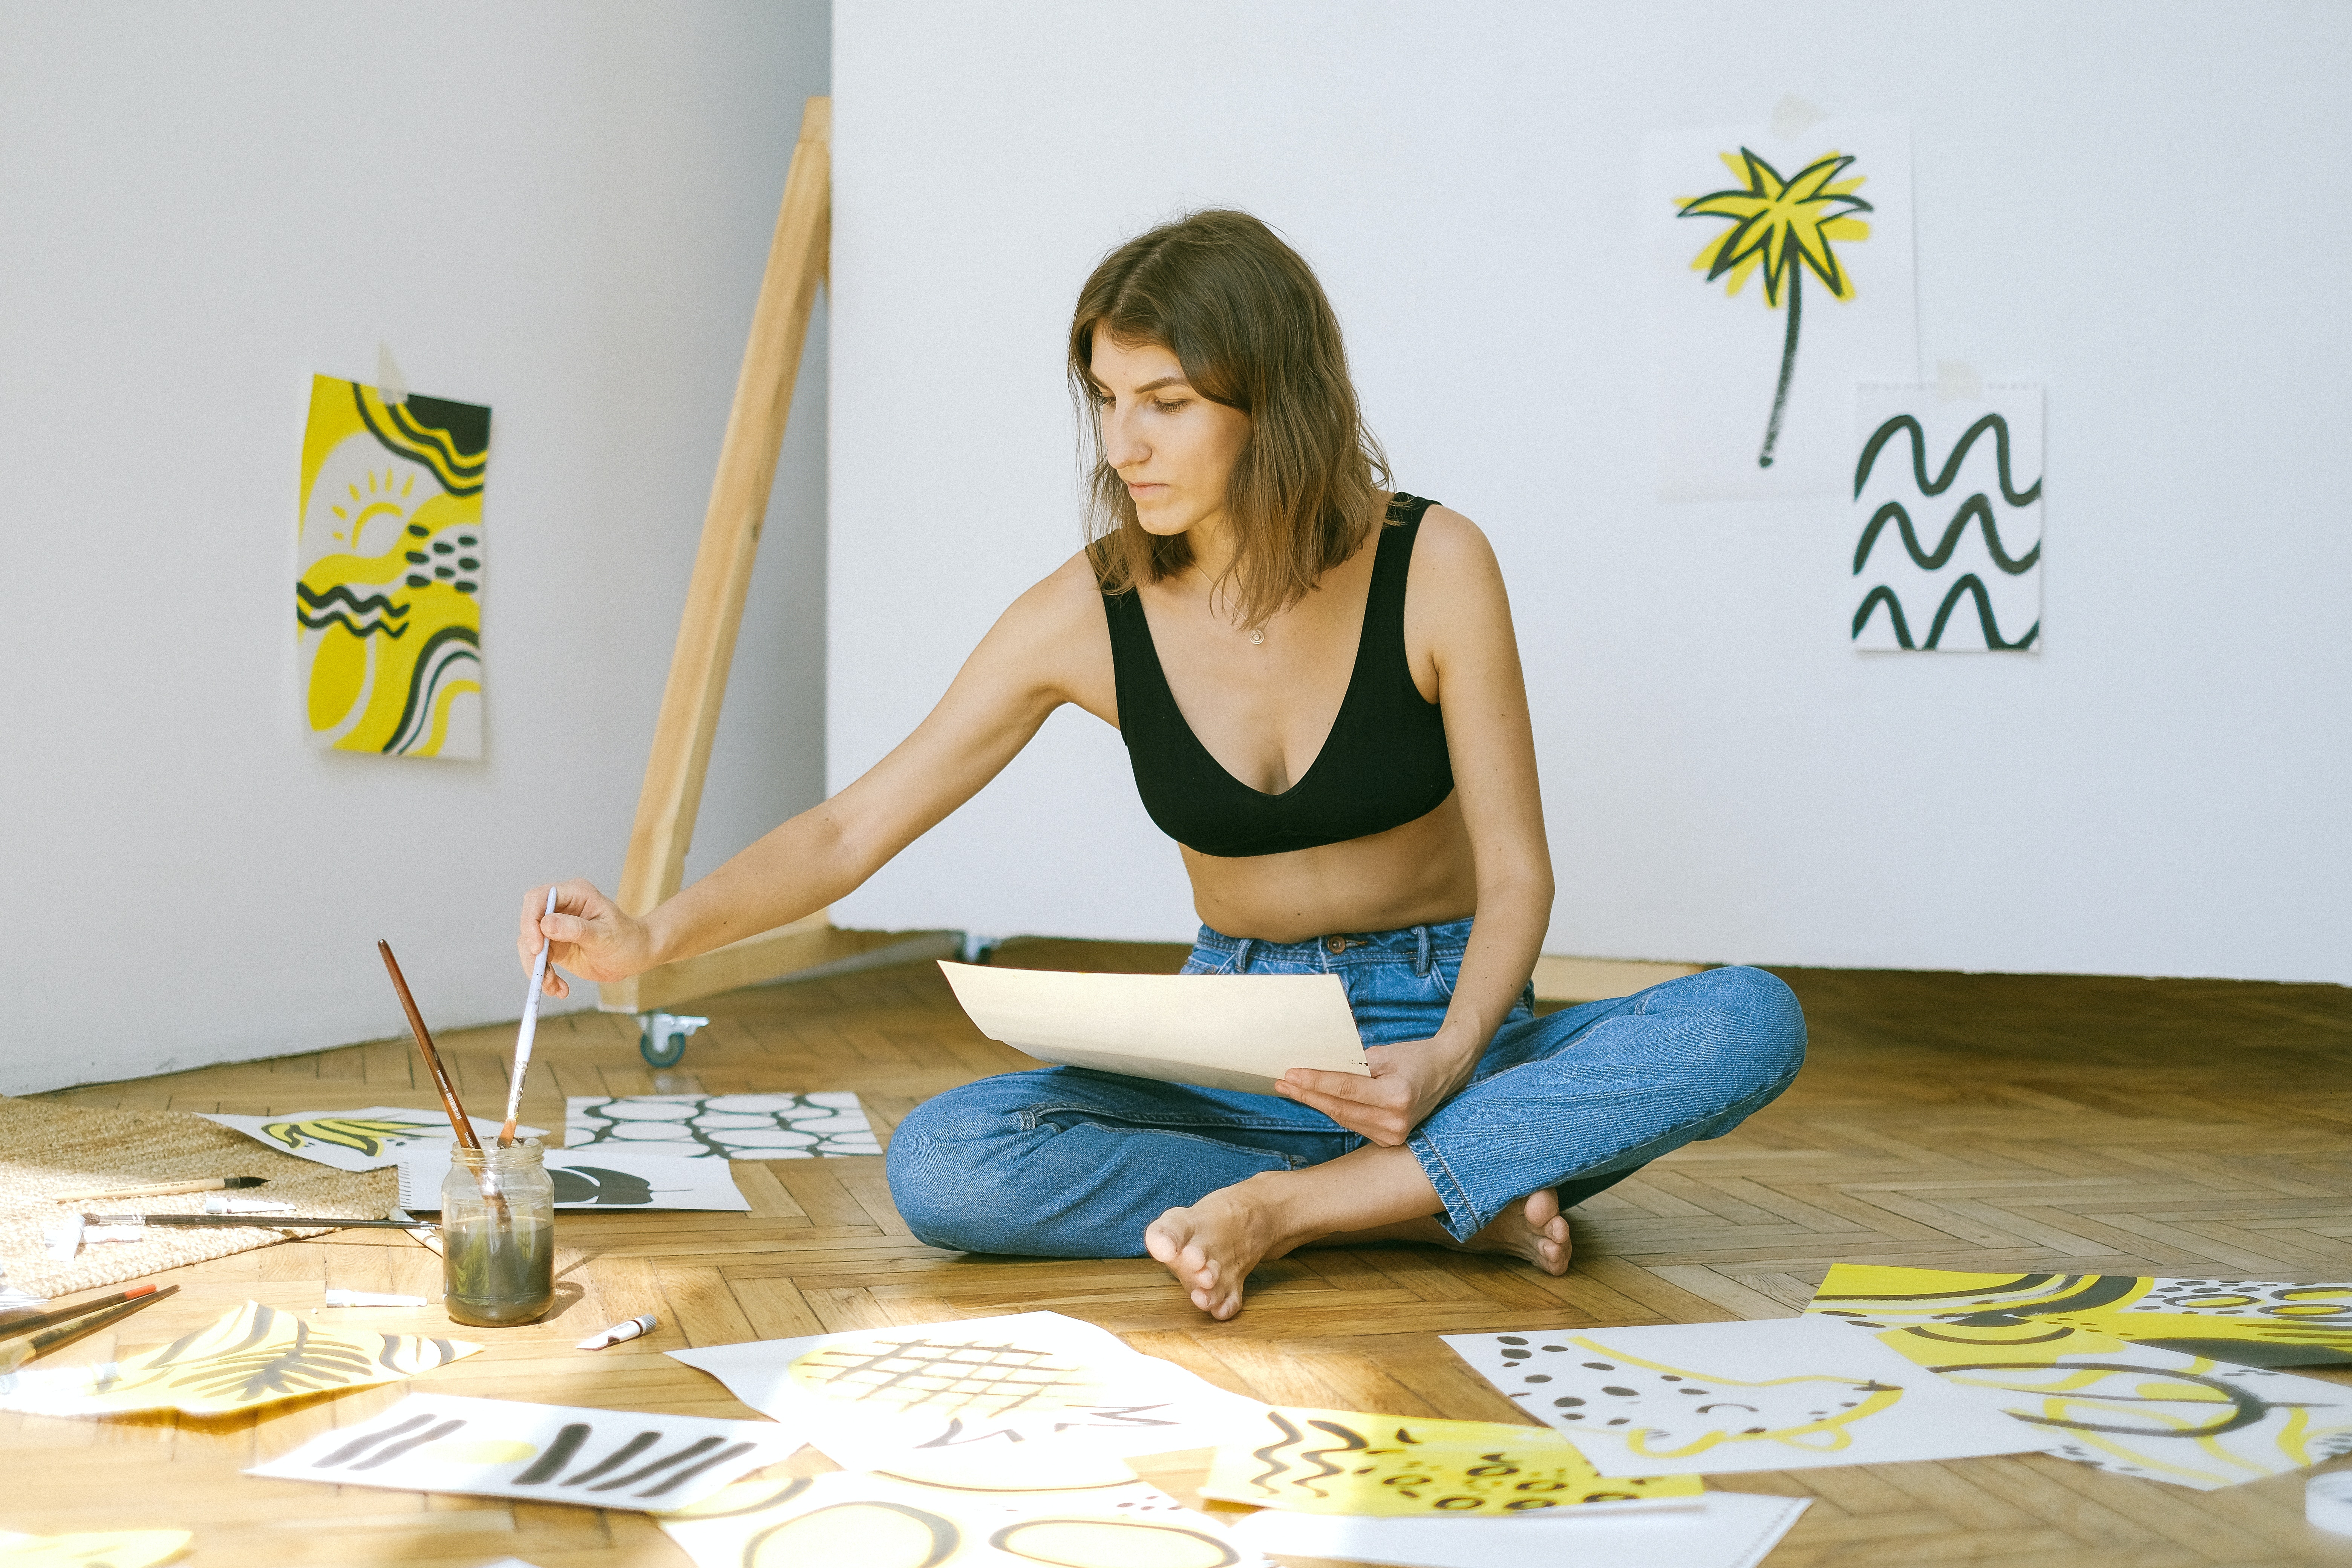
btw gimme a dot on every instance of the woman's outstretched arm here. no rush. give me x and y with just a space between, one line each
1050 648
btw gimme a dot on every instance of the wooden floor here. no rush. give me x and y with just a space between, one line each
1979 1123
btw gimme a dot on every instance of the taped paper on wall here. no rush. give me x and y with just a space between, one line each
1780 274
390 557
1214 1031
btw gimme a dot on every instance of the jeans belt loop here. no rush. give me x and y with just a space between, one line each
1241 954
1421 958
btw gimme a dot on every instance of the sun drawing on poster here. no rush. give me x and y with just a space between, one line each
1786 228
388 595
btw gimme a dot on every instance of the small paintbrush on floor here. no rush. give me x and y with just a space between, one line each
159 1189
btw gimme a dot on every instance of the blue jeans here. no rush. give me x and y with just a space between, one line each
1069 1163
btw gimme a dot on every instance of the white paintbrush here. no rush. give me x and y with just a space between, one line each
529 1027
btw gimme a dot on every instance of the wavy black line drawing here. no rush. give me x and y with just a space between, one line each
1976 506
2002 582
1943 481
1969 584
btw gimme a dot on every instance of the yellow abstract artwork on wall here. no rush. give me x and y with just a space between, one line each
390 562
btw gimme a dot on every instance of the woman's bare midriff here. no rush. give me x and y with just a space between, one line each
1419 874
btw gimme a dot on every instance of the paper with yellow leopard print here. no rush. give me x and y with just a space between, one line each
390 559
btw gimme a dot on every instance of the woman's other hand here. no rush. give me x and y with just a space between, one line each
592 938
1410 1080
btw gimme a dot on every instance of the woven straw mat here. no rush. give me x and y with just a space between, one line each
46 1148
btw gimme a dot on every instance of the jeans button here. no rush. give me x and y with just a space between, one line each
1335 943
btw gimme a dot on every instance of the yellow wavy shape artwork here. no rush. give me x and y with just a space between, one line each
1058 1507
390 562
252 1356
93 1549
1347 1461
2252 1322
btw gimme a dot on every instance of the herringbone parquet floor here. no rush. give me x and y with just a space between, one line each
1979 1122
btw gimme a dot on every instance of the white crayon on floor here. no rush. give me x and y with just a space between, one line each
644 1323
370 1298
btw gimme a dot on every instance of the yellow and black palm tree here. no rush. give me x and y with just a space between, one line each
1786 228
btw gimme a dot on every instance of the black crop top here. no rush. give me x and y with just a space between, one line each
1383 764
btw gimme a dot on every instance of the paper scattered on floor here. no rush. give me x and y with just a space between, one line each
1046 1506
868 1396
1345 1461
722 1126
93 1549
2250 1323
2131 1405
1218 1031
364 1140
1716 1398
1733 1531
253 1355
552 1453
609 1176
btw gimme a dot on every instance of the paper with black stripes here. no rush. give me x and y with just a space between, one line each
548 1453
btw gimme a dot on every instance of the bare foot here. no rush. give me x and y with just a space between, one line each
1536 1231
1211 1246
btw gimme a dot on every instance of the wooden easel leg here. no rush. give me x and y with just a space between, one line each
672 795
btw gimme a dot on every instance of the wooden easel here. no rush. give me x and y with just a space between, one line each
672 795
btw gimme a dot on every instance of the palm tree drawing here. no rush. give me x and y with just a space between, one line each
1785 226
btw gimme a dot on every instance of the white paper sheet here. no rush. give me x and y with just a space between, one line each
545 1452
1020 1516
1719 354
604 1177
1734 1530
1217 1031
722 1126
867 1396
1714 1398
365 1139
1946 519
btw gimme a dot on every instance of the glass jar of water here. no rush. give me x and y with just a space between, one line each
498 1234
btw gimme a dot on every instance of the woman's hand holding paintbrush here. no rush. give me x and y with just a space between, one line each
575 925
524 1034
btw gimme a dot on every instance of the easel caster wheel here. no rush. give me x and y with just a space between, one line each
662 1037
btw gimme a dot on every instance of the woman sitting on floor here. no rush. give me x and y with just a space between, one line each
1319 687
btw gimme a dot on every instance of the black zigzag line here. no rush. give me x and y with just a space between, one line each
435 657
357 628
1943 481
338 595
1976 506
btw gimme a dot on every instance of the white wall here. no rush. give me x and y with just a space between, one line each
2135 207
558 209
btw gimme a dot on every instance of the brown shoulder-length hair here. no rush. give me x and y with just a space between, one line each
1243 314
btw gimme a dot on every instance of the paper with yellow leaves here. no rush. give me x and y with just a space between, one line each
1345 1461
254 1355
